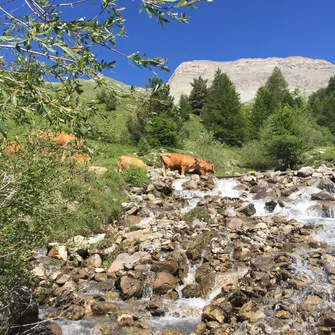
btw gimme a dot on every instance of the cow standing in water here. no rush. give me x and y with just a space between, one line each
124 162
185 164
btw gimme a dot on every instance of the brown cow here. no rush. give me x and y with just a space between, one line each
124 162
205 167
11 147
182 163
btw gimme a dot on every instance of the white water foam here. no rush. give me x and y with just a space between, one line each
222 187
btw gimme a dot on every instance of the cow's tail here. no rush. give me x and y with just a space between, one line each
119 165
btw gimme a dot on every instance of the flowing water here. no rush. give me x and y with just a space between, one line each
184 313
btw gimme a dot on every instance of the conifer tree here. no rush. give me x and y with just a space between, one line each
222 111
198 95
184 107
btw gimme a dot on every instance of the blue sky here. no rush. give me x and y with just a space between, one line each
222 30
228 30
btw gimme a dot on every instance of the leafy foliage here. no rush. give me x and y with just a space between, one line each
108 98
222 111
322 105
135 176
158 119
198 95
45 41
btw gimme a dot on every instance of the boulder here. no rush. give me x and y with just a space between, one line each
191 291
323 195
164 282
248 210
327 185
270 205
165 266
94 261
103 308
129 287
190 185
129 260
305 172
74 312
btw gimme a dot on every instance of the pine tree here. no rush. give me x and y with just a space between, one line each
198 95
222 111
184 107
264 106
277 86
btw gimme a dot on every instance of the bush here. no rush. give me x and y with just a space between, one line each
135 176
254 156
143 147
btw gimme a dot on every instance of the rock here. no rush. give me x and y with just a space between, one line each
58 251
287 229
213 313
248 210
165 266
129 287
164 282
235 224
55 329
94 261
69 286
323 195
305 172
191 291
190 185
282 314
38 271
126 320
74 312
62 278
163 188
270 205
219 245
248 74
98 170
130 261
134 236
246 313
327 185
237 299
100 277
103 308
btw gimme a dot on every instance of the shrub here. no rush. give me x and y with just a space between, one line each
254 156
135 176
143 147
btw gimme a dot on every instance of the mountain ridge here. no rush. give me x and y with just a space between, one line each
248 74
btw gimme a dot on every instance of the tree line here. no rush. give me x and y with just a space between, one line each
275 129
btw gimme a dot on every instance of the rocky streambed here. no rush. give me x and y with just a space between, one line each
249 255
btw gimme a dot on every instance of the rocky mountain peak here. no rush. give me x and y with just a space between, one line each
248 74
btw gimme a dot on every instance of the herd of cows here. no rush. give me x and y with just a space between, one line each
173 161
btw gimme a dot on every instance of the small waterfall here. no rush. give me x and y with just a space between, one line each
148 291
222 187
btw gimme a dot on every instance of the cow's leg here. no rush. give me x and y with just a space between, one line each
182 170
163 168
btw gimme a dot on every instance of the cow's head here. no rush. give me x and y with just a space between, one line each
200 167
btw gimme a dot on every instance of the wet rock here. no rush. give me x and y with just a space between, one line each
126 320
55 329
129 260
190 185
200 328
69 286
237 299
327 185
164 282
62 278
100 277
305 172
163 188
248 210
191 291
103 308
246 313
323 195
58 251
94 261
129 287
74 312
213 313
270 205
165 266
